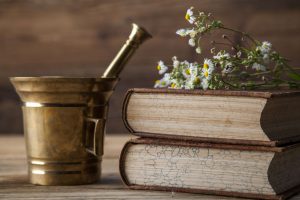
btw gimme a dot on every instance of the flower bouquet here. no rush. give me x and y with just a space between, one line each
250 64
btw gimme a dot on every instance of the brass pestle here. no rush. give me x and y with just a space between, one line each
137 36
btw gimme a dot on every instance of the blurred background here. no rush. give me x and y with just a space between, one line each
81 37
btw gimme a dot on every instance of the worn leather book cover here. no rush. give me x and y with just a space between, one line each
269 118
247 171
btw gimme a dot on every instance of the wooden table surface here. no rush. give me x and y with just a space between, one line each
14 185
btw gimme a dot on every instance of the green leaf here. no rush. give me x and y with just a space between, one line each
294 76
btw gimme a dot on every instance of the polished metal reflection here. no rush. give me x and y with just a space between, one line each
64 120
137 36
64 124
33 104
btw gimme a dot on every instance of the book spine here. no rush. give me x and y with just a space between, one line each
122 162
124 110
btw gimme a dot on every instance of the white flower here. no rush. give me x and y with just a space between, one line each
198 50
221 55
266 58
186 72
193 33
185 63
189 16
239 54
212 50
184 32
204 84
258 67
181 32
208 64
167 78
228 68
208 68
264 51
176 63
176 84
158 84
192 82
161 67
190 70
265 47
164 82
194 69
202 29
189 84
192 42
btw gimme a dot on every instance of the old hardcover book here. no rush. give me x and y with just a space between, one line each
220 169
236 117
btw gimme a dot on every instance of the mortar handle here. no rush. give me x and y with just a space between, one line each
93 139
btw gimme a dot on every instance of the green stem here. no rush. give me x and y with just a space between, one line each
260 73
297 68
227 83
240 32
198 41
222 43
290 68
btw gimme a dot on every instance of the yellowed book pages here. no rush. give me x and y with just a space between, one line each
246 171
245 117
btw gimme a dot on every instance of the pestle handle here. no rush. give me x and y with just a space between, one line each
137 36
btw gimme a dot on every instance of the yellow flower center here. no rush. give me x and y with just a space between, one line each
157 81
206 74
173 85
205 66
163 83
187 17
197 80
187 71
158 67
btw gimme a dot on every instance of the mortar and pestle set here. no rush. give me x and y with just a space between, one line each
64 120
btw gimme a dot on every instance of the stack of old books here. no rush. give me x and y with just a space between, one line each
232 143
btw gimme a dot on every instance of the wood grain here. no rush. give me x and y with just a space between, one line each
79 38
